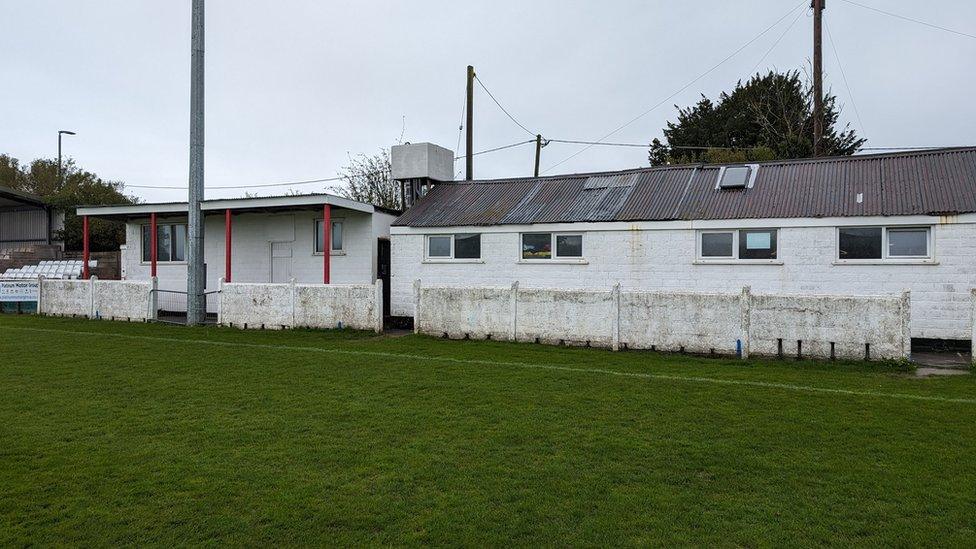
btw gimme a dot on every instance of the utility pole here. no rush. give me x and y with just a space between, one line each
818 7
195 281
538 151
469 137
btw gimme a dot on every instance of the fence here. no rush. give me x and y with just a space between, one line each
732 324
246 305
93 298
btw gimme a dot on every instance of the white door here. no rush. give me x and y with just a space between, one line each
281 261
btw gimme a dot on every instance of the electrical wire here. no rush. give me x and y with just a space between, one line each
504 110
464 101
682 88
904 18
310 181
850 94
776 43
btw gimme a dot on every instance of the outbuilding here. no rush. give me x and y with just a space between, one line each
266 239
859 225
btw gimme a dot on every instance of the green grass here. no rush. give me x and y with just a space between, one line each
114 433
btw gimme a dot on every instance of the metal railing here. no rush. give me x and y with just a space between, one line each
170 306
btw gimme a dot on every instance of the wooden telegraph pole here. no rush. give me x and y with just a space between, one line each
538 151
818 7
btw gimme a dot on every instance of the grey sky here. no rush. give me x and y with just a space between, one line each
294 86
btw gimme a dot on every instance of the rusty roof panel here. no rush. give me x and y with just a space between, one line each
939 181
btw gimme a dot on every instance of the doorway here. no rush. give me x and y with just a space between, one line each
281 256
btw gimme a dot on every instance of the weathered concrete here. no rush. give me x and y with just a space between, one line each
93 298
696 323
478 313
808 326
770 325
275 306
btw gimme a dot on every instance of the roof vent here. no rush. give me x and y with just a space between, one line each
737 177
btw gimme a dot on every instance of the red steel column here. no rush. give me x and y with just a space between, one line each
227 239
152 244
85 253
326 241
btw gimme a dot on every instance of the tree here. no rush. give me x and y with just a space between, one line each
368 178
768 117
78 188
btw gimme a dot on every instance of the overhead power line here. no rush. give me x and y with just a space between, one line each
776 43
309 181
847 85
504 110
682 88
905 18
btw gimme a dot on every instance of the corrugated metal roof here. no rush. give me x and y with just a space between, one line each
930 182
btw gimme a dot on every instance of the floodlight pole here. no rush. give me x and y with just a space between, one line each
195 283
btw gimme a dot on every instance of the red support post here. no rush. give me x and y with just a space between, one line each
227 239
326 241
85 252
152 244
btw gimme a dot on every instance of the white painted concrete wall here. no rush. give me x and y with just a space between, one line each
825 326
278 306
253 234
108 299
663 259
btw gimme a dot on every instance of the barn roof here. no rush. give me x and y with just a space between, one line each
929 182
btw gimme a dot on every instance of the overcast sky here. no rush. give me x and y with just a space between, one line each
293 87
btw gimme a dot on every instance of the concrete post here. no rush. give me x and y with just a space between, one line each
40 295
220 302
91 296
513 324
416 306
745 319
906 330
378 304
615 296
153 299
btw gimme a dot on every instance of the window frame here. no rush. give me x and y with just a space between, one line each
450 258
315 236
554 258
886 258
753 172
148 226
734 258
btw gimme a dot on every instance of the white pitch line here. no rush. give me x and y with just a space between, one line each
638 375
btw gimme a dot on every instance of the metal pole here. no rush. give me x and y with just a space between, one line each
227 240
152 244
469 138
818 6
538 151
326 243
60 179
195 283
85 253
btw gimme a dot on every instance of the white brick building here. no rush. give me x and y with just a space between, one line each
863 225
272 240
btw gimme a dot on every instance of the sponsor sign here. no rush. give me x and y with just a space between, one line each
19 290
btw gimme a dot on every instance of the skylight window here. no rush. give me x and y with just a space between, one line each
736 177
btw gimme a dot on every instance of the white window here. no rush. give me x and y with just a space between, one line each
737 244
170 242
737 177
454 246
883 243
336 235
545 246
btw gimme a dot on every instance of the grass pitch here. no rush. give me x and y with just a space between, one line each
114 433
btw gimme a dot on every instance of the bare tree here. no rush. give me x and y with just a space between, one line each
368 178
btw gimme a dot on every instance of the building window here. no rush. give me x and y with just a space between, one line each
454 246
552 246
741 244
170 242
881 243
336 236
